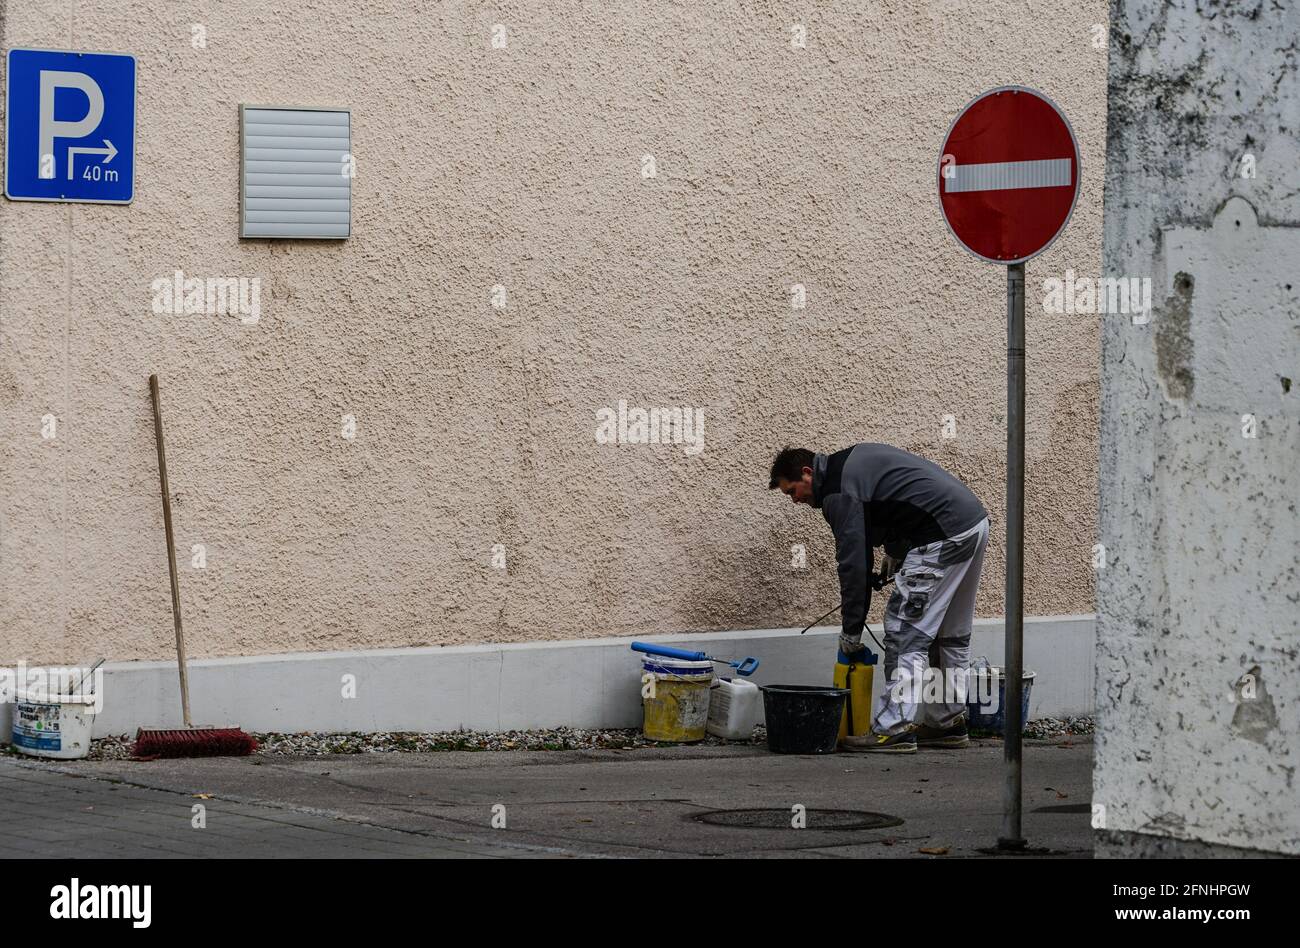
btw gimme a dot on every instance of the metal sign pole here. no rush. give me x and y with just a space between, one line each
1013 725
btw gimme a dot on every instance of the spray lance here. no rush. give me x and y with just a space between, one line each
878 580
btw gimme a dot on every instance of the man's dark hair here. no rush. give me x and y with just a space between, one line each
789 465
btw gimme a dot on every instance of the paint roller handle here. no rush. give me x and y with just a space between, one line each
745 666
668 651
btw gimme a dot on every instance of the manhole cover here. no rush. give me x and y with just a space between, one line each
813 819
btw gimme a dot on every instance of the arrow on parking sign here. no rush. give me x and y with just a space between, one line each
108 154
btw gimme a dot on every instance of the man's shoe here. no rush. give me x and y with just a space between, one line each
954 736
879 743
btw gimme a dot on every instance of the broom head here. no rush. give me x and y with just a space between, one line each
153 743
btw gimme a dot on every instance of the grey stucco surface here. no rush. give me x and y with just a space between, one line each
522 167
1198 628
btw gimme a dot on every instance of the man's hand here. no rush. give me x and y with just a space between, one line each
851 651
888 567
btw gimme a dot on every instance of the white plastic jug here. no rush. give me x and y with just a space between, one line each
735 706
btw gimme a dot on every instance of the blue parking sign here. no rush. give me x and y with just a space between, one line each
70 126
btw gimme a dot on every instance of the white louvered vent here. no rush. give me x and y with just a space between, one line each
295 172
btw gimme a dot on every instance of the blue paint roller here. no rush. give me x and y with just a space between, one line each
744 667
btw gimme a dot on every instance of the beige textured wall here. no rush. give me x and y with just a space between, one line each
476 426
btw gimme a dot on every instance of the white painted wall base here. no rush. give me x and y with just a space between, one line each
587 683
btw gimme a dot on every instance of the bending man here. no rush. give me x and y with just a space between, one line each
933 531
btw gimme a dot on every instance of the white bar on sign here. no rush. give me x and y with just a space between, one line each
1007 175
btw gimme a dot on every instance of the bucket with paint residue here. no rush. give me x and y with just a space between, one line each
56 726
675 697
986 695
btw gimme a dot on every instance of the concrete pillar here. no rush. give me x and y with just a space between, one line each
1198 654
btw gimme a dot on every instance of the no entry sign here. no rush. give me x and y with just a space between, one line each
1008 175
1008 178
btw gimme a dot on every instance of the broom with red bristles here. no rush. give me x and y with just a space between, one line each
190 741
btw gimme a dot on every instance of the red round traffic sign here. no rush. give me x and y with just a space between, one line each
1008 174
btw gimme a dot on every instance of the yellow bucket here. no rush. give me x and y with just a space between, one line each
675 696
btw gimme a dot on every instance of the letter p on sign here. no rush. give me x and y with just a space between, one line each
51 128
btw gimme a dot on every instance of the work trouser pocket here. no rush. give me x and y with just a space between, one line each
915 587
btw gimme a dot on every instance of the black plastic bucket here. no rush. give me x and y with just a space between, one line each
803 719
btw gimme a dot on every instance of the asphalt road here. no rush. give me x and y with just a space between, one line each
633 803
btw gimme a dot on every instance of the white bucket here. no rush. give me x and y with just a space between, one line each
57 727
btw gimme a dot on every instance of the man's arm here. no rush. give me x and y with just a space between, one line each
853 556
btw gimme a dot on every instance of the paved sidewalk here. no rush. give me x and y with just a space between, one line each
562 803
48 813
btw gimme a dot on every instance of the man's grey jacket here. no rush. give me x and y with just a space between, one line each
877 495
